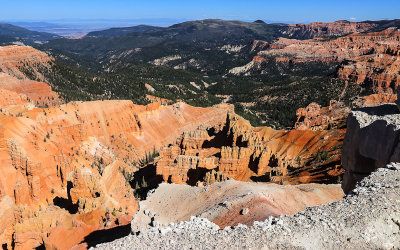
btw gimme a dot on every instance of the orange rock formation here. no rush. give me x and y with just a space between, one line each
250 154
64 170
61 168
375 100
378 69
158 99
14 61
371 59
319 29
315 117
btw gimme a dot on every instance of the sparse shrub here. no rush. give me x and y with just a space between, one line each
321 156
99 164
339 179
144 183
298 160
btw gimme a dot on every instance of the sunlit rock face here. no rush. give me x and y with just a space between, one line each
20 63
239 151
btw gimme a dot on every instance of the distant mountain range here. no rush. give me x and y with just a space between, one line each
121 31
10 33
72 28
188 38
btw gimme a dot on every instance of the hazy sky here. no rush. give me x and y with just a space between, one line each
283 10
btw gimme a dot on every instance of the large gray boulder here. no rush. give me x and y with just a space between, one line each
371 142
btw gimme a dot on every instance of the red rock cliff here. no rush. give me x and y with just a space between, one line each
62 168
14 61
318 29
245 153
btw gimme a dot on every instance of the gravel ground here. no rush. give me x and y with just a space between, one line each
368 218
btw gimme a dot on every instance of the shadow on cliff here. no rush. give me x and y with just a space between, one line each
67 204
195 175
106 235
382 110
221 138
145 179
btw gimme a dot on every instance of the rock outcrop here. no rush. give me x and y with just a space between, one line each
371 142
315 117
14 57
38 92
259 45
369 218
333 29
229 203
379 69
374 100
19 62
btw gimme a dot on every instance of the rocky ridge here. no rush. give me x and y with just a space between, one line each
315 117
333 29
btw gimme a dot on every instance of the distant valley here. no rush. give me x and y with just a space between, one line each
205 62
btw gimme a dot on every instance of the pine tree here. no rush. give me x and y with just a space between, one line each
144 183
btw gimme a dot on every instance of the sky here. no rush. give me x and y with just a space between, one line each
279 11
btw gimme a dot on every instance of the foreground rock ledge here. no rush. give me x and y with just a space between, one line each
229 203
368 218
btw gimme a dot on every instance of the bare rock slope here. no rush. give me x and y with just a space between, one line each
14 64
368 218
229 203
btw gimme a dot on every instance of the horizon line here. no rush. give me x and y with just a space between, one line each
183 20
